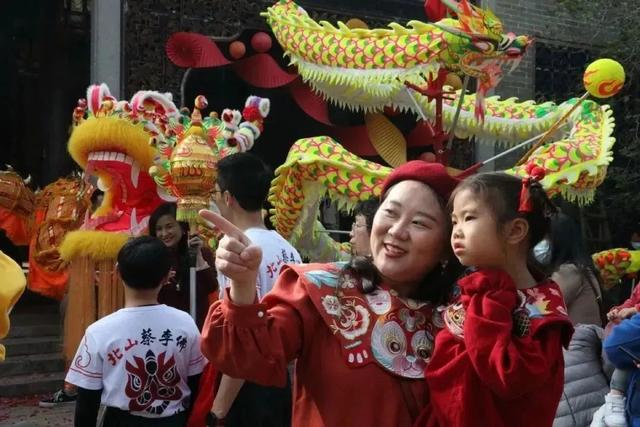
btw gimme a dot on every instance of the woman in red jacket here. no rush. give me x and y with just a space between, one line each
498 362
361 333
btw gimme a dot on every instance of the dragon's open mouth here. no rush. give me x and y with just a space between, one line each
129 192
110 141
115 160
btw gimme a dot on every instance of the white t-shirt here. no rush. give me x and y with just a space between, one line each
276 252
141 358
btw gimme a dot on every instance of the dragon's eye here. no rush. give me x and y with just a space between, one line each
506 40
484 46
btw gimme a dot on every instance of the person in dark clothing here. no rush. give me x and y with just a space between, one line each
175 235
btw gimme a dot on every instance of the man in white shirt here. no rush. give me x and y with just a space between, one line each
142 362
242 188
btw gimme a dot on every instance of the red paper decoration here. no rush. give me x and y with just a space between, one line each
192 50
237 49
261 42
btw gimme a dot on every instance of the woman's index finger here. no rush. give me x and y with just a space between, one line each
224 226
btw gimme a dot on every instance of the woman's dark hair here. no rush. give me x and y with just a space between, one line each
367 209
182 250
501 192
567 247
436 286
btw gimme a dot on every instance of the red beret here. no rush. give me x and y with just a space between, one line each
434 175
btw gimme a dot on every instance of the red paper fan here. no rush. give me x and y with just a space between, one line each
355 139
262 71
192 50
421 135
310 102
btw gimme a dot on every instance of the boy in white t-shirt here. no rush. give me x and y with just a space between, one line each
142 362
242 188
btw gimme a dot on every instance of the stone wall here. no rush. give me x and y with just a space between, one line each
547 22
552 27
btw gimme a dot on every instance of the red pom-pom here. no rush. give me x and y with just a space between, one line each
435 10
529 168
537 173
251 114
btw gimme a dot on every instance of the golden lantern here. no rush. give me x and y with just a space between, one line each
192 166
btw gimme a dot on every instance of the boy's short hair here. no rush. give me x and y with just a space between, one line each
247 178
143 262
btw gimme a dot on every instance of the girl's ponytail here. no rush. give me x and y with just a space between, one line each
539 217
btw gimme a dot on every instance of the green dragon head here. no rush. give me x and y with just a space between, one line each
365 69
478 46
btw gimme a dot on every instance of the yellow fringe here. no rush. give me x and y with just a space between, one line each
111 134
97 245
13 284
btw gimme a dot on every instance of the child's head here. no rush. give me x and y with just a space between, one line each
143 263
488 227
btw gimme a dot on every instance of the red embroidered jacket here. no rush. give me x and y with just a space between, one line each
360 358
499 360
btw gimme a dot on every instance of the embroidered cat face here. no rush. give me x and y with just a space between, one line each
401 344
379 301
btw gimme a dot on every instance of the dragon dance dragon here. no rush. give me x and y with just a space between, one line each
129 147
116 143
616 264
366 70
41 220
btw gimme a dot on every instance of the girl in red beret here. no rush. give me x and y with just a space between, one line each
361 333
498 361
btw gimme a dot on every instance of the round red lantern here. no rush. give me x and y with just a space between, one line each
261 42
237 49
